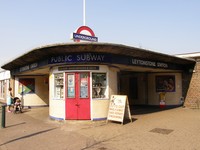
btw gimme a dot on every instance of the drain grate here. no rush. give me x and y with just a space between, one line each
161 131
102 148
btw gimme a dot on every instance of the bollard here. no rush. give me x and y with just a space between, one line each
3 118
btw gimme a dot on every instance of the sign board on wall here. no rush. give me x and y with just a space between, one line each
69 58
119 108
84 33
165 83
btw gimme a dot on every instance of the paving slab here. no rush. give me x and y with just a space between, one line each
170 129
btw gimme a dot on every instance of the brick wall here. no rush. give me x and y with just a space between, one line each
192 97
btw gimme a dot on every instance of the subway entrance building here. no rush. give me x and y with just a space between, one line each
76 80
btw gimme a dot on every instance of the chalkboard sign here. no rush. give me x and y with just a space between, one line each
118 108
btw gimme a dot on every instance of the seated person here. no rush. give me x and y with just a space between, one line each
17 105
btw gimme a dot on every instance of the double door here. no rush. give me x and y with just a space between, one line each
77 95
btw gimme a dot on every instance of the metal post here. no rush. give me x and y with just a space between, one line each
3 118
84 13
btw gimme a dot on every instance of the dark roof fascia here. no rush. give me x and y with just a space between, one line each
44 52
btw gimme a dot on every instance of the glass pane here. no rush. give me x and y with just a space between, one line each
1 89
71 85
83 85
58 85
99 85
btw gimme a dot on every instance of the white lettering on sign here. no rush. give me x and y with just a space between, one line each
85 37
162 65
149 63
28 67
59 59
24 68
34 65
90 57
143 62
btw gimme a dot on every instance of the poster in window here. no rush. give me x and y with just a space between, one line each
84 81
84 87
26 86
165 83
70 84
71 80
71 92
84 92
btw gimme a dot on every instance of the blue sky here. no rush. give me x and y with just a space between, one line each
166 26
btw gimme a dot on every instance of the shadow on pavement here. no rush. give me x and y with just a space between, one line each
15 124
143 109
27 136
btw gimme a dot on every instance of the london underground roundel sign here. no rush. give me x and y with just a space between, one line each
84 33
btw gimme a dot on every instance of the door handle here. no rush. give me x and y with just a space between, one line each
77 104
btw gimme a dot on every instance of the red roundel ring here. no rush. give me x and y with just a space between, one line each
85 28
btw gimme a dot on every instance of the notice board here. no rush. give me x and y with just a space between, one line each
119 108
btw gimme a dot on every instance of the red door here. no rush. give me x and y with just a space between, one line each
78 96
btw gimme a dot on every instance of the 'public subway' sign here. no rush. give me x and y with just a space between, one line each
74 58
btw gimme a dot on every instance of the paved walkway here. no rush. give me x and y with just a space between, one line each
173 129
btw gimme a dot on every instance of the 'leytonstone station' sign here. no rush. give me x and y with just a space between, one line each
149 63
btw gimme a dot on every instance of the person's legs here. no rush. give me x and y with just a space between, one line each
8 108
15 109
9 103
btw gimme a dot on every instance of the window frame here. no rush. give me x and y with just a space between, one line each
105 87
61 86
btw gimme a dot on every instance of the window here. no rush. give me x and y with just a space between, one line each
2 89
99 85
84 85
58 89
70 85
